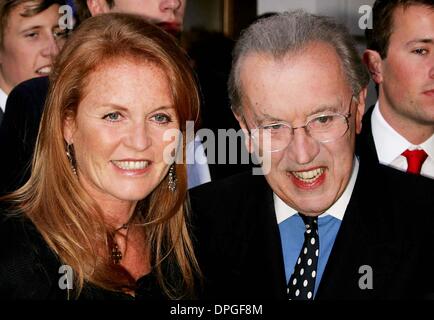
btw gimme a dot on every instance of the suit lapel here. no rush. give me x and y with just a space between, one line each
364 239
273 250
242 249
261 254
347 236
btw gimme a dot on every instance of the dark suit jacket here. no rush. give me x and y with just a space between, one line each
239 247
19 131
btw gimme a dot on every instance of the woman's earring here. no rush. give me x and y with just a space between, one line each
71 158
172 178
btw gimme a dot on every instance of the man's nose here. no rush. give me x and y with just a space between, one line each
431 70
51 48
170 5
303 148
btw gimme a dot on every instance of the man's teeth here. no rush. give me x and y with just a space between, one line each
44 70
309 176
131 165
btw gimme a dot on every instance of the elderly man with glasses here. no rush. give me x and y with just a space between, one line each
319 223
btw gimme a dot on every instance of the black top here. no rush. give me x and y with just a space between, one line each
30 270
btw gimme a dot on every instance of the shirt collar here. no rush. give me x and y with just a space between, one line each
337 210
389 143
428 146
3 98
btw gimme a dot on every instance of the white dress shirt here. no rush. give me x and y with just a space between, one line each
197 165
3 98
390 145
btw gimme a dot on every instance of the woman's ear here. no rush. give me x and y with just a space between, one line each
69 129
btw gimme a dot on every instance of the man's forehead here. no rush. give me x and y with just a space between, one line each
319 56
400 13
291 53
262 76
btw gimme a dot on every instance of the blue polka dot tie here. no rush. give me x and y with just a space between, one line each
301 286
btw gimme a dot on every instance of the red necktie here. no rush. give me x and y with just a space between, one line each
415 159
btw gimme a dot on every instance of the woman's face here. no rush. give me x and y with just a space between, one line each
118 131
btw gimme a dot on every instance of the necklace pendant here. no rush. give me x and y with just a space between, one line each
116 254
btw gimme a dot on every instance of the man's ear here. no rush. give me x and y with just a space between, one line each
97 7
374 63
69 130
243 124
360 110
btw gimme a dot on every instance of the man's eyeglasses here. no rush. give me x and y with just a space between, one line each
323 128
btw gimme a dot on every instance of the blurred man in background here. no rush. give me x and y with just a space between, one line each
30 38
399 130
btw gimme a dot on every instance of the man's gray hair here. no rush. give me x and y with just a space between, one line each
289 33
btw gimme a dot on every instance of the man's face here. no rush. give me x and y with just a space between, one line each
29 45
169 14
307 175
407 74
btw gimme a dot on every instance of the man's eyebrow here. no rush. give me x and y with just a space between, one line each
31 28
266 117
262 117
325 108
422 40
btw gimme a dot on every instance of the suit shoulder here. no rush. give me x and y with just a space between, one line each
28 95
39 84
410 182
392 188
227 203
232 186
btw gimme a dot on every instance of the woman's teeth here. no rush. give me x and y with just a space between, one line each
131 165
